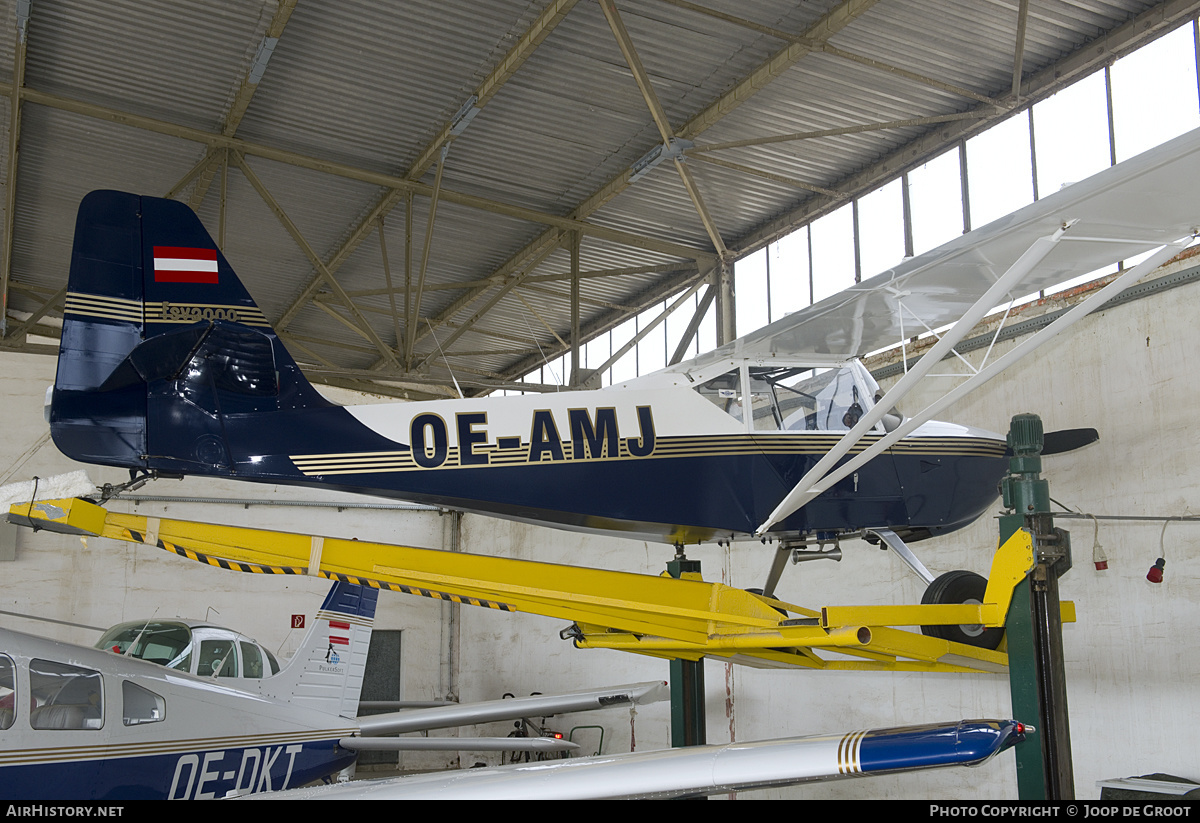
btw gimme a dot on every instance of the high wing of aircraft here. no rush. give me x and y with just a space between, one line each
167 366
138 722
699 771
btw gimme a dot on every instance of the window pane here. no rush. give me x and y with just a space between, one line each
651 348
677 324
1071 134
881 229
217 657
790 287
625 368
999 171
8 688
252 662
935 196
1154 93
750 286
141 705
833 252
65 696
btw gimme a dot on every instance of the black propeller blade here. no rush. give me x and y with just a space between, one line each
1065 440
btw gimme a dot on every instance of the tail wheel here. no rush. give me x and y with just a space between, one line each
954 588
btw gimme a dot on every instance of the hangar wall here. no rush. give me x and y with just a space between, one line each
1130 674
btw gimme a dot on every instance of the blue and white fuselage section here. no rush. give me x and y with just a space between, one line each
167 364
84 724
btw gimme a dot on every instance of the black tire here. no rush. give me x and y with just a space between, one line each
960 587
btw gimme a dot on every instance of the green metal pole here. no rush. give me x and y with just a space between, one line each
687 682
1037 677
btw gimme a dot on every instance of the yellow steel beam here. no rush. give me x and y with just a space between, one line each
659 616
1010 564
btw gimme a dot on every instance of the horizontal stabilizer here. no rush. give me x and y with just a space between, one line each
457 744
443 717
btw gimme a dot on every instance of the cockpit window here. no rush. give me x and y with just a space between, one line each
163 643
8 691
65 696
796 398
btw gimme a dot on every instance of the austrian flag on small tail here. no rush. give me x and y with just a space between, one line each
177 264
343 640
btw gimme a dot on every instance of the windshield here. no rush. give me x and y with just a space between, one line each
164 643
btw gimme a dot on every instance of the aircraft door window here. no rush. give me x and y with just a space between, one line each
252 661
833 400
65 696
8 692
725 392
141 705
218 658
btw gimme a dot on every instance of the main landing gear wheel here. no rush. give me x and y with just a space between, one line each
954 588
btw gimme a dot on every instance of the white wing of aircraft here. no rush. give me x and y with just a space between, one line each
1147 204
700 770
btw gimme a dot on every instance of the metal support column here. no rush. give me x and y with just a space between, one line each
1037 675
687 679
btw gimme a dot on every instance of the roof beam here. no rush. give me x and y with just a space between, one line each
399 184
832 50
642 78
294 231
52 302
540 278
246 89
834 21
1019 50
699 151
554 13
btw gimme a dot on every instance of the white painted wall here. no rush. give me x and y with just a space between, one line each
1131 670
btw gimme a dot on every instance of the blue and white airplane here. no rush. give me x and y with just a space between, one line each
134 719
168 366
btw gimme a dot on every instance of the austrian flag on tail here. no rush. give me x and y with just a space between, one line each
345 627
176 264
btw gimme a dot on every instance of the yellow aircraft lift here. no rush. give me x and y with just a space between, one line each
659 616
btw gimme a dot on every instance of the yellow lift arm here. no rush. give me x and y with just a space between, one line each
658 616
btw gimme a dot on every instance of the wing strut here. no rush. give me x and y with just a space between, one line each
799 495
819 478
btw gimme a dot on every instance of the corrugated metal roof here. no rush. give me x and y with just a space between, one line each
131 95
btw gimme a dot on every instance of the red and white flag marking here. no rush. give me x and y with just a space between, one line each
337 624
176 264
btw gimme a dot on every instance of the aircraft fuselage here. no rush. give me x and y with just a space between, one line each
83 724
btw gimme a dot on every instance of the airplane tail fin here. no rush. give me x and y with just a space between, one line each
326 673
158 326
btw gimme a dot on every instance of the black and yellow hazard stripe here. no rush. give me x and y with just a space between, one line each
260 568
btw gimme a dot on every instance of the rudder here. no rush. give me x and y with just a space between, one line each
158 327
326 673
